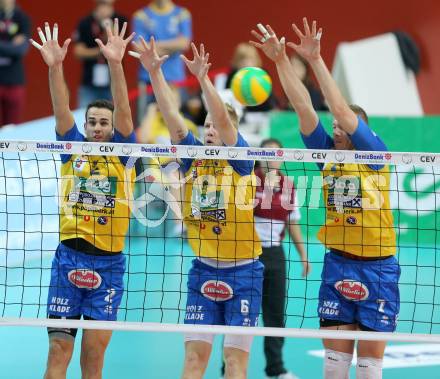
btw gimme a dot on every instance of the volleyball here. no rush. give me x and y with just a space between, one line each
251 86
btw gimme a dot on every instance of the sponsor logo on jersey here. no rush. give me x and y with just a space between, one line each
352 289
217 290
217 230
102 220
84 278
79 163
351 220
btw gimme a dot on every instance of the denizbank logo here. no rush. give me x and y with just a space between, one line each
156 150
54 146
261 153
369 157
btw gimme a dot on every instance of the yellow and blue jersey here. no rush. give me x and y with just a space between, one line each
167 24
218 206
359 218
95 195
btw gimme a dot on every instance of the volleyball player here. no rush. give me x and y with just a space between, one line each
359 289
275 214
88 267
225 280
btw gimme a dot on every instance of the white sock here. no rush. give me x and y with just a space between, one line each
369 368
336 364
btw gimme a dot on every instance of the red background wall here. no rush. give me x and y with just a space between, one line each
222 24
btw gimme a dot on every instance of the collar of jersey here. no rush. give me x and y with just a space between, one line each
165 10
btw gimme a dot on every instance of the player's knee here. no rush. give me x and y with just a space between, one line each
368 368
196 359
336 364
234 367
60 353
91 362
235 362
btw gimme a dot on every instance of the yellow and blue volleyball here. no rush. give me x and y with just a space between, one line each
251 86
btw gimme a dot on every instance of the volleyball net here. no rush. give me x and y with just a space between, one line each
158 256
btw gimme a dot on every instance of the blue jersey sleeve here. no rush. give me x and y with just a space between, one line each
186 24
318 139
72 135
189 140
365 139
119 138
242 167
140 25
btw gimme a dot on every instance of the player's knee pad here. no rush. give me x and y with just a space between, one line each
369 368
67 334
238 342
208 338
336 364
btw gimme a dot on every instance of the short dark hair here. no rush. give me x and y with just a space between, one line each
265 142
101 103
268 141
359 112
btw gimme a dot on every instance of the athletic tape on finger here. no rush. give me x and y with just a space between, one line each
42 36
134 54
55 33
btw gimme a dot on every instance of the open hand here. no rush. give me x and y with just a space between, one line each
269 44
148 55
199 66
50 50
114 49
310 45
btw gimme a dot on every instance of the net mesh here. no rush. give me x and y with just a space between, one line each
157 253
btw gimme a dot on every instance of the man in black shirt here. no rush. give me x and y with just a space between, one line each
95 82
14 35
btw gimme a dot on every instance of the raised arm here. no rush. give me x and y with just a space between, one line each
310 49
54 56
114 52
296 235
295 90
175 45
151 61
199 67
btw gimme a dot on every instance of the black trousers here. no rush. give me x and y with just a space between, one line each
273 307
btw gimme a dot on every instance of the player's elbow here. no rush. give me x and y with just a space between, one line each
184 43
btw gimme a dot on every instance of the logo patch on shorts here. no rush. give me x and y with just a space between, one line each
83 278
217 290
352 289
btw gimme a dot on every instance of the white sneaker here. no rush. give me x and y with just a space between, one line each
286 375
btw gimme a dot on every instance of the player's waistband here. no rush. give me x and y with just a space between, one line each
357 257
225 264
85 247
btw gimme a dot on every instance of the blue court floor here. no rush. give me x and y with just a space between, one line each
155 291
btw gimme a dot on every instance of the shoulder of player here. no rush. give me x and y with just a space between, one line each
141 14
183 13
